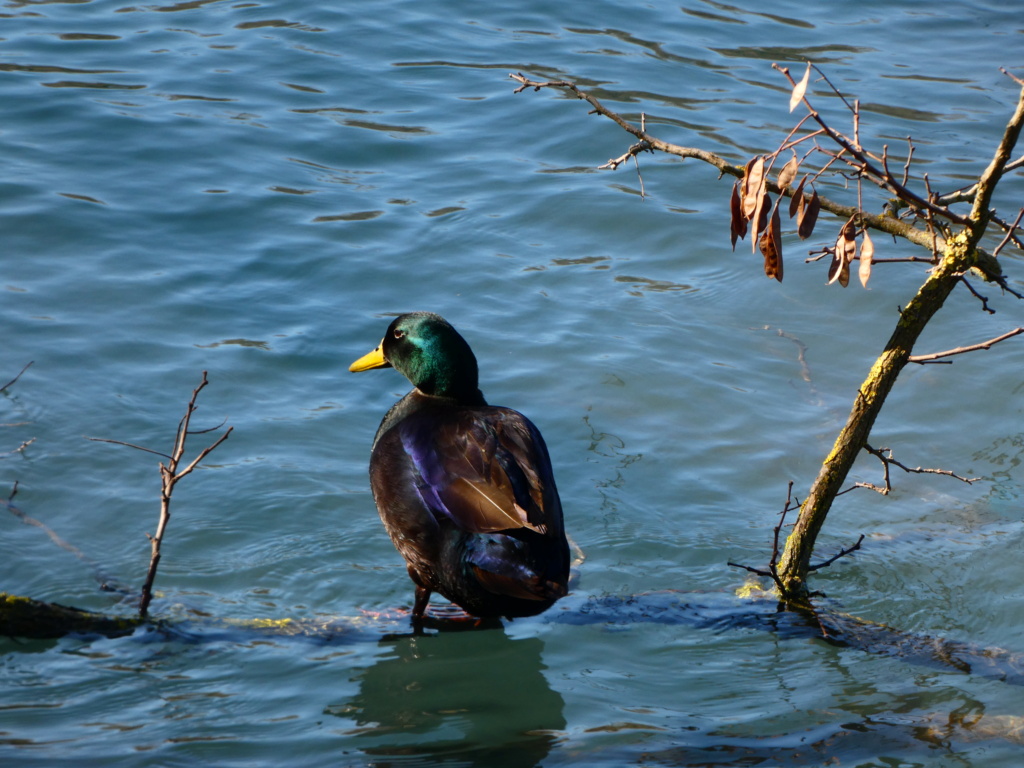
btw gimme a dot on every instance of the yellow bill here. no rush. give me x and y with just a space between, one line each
374 359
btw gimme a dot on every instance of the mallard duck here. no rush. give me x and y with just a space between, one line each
465 489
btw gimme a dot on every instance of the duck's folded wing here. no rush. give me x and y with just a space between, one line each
487 469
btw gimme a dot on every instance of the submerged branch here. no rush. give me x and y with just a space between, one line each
11 383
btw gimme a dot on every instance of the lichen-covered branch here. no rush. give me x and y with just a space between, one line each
960 255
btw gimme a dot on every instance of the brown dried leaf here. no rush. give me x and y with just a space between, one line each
808 216
744 182
771 247
834 268
867 254
796 202
760 219
738 228
849 230
788 172
753 186
800 89
846 249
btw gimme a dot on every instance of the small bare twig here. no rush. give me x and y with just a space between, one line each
983 299
885 456
170 474
922 359
12 381
1012 76
19 449
841 553
1010 233
106 583
128 445
772 571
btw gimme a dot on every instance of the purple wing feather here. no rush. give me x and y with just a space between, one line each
479 468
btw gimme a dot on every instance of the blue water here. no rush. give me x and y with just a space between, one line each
253 189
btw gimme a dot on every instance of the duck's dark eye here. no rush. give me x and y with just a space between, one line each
399 333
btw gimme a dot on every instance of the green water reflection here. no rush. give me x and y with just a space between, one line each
479 697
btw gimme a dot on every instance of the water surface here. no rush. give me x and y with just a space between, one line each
253 189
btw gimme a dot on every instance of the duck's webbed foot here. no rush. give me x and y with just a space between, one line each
419 606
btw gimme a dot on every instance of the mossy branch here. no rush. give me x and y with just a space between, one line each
961 254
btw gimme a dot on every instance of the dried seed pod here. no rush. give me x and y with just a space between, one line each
753 186
844 275
808 216
738 227
800 89
760 221
834 268
771 247
788 172
846 249
867 254
796 202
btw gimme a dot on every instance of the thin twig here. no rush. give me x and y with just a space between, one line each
19 449
169 476
772 571
1009 233
983 299
961 350
841 553
633 151
901 190
12 381
885 456
106 583
128 445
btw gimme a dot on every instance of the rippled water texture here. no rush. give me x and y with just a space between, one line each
253 188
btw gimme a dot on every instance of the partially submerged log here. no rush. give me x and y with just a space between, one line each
34 619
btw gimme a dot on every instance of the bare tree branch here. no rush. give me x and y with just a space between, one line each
881 222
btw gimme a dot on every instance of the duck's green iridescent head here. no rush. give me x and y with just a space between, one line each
428 351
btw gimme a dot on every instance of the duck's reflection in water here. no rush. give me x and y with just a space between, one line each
458 698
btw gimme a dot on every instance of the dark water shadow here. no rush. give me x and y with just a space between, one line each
455 698
724 611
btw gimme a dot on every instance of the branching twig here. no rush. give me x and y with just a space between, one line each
885 456
841 553
633 151
922 359
881 222
983 299
863 162
772 571
1010 234
170 474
